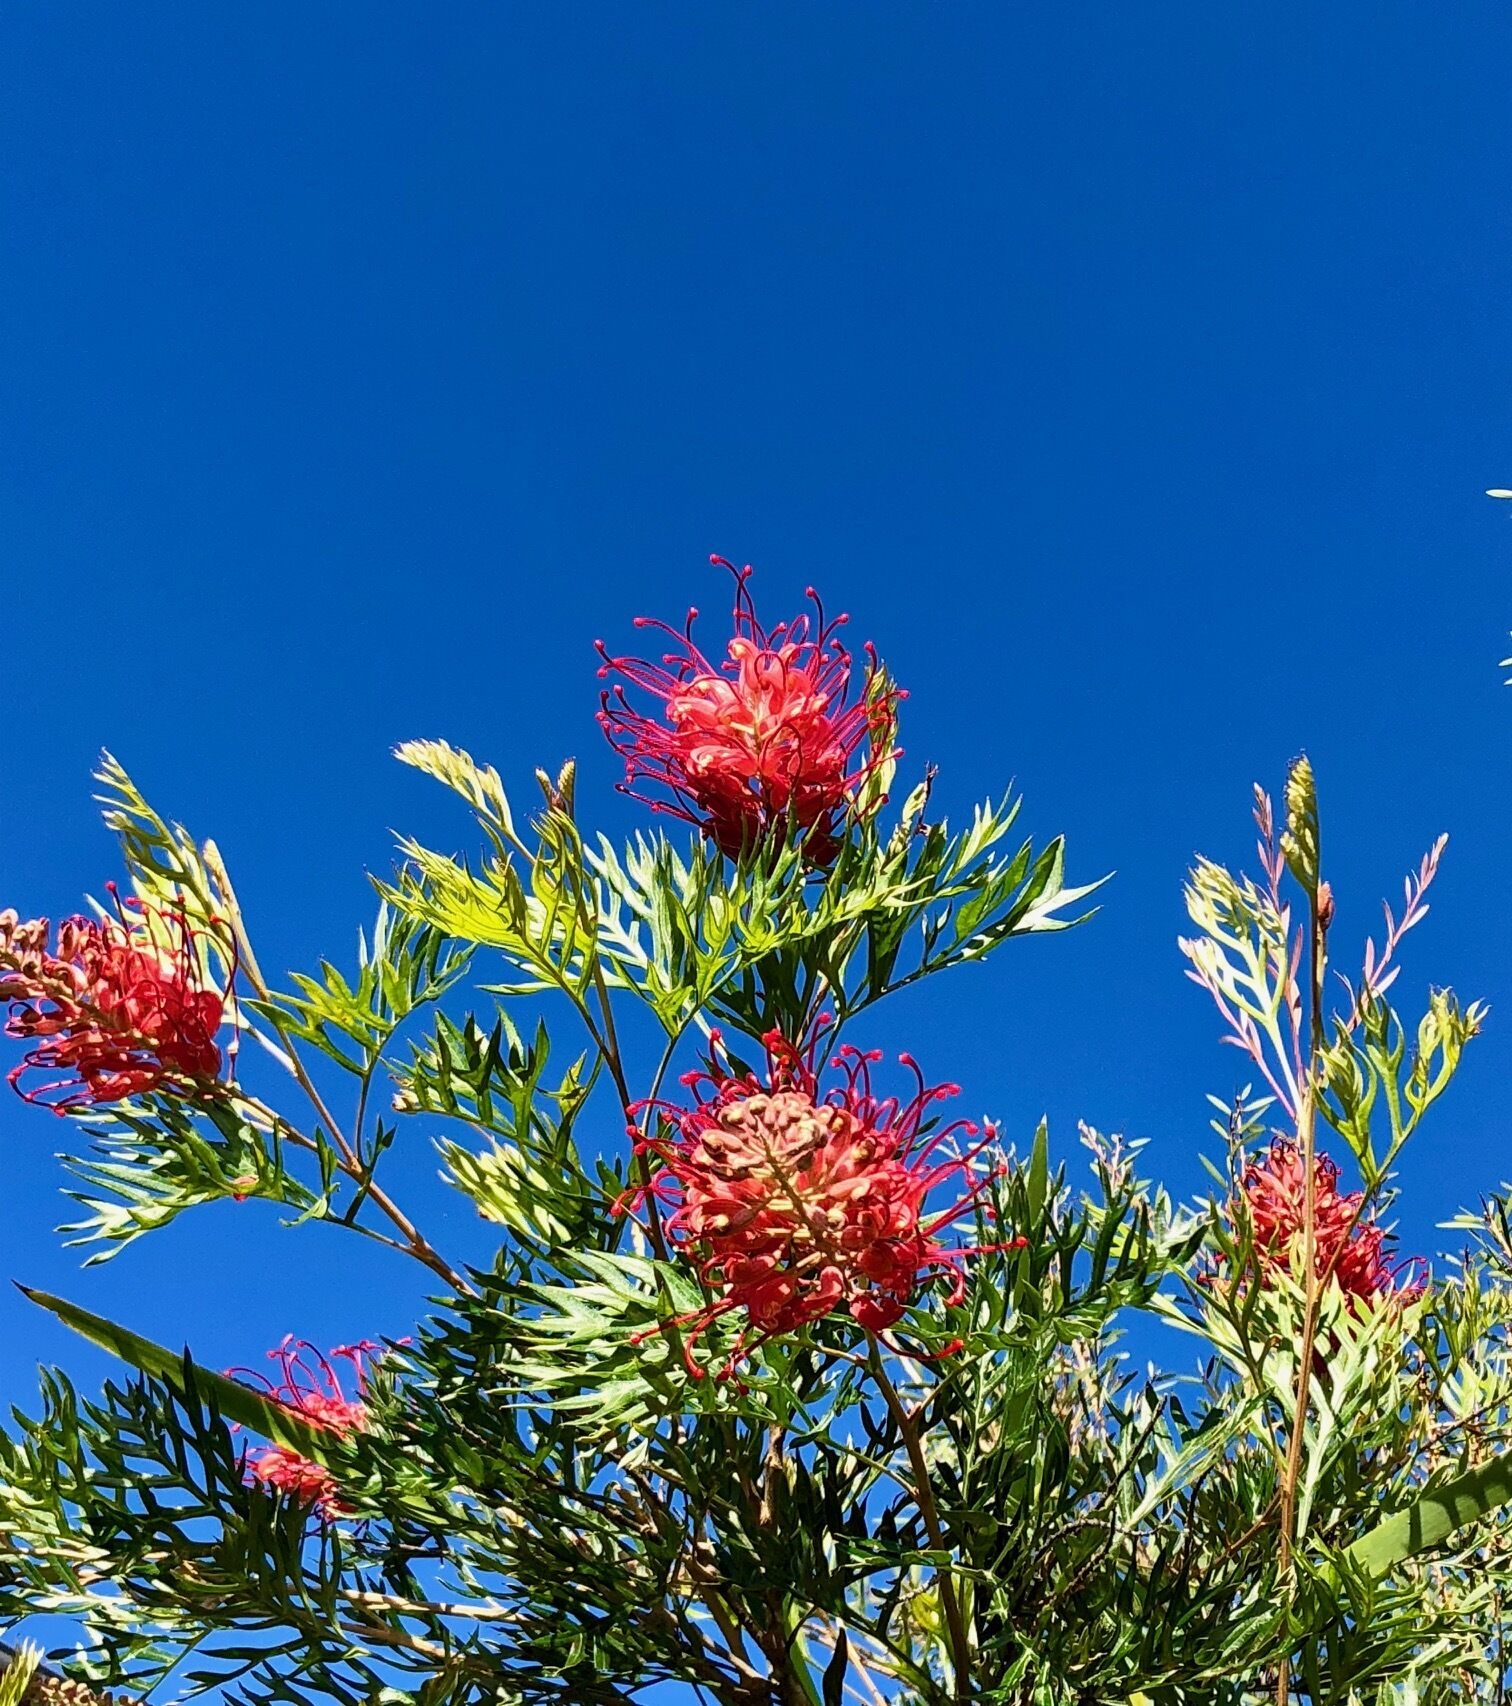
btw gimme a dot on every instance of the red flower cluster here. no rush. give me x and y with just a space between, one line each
797 1203
311 1388
759 740
1348 1246
116 1007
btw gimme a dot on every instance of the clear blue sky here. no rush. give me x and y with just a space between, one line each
1131 373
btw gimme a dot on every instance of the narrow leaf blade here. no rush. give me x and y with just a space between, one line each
235 1401
1434 1517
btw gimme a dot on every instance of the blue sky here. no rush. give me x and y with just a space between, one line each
1131 374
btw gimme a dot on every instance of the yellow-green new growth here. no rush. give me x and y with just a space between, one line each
1299 840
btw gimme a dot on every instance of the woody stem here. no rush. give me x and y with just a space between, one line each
1313 1282
607 1039
411 1240
923 1492
351 1161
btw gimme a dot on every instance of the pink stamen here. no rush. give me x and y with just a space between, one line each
796 1203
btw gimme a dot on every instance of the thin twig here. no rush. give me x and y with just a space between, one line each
1313 1289
924 1497
351 1160
411 1242
609 1047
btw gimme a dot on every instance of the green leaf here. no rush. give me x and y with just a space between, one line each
238 1403
150 1165
834 1671
530 1177
166 863
604 1346
760 943
1435 1516
408 964
1037 1185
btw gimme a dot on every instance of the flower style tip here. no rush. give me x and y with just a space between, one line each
1349 1246
117 1006
309 1385
797 1202
763 738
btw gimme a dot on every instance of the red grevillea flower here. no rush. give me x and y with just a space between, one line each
760 739
117 1006
1348 1246
309 1385
796 1202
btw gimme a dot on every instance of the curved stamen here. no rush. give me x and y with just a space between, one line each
766 741
796 1202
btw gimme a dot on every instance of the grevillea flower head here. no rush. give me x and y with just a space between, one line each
115 1007
796 1201
765 738
308 1384
1349 1247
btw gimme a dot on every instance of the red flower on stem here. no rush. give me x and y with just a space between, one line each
760 739
116 1007
797 1202
310 1386
1348 1245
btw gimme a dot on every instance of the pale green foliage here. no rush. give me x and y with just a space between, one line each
544 922
1370 1065
1244 957
165 861
148 1168
16 1678
527 1174
678 927
689 931
592 1347
406 966
478 784
685 930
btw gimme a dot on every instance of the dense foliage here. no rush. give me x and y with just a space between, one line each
780 1384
